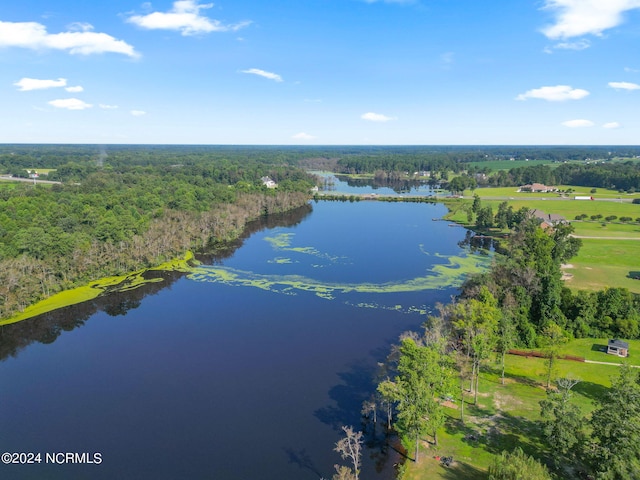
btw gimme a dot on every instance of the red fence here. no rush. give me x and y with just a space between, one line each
533 353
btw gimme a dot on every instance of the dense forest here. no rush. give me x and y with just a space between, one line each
116 214
622 176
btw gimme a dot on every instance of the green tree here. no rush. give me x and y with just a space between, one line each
615 449
477 204
503 217
517 466
507 337
484 217
423 378
562 421
475 322
552 339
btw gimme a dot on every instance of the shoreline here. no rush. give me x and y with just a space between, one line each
96 288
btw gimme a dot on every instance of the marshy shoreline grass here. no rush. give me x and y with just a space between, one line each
100 287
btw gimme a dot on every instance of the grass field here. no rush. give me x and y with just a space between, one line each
509 192
507 415
605 263
606 259
496 165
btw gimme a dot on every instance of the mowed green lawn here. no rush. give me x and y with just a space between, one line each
605 263
605 260
496 165
507 415
509 192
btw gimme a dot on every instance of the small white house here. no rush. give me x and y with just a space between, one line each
267 182
618 347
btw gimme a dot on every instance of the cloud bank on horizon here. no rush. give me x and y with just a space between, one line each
434 77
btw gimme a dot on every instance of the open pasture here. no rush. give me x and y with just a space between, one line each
508 415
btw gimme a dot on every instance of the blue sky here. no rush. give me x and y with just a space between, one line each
388 72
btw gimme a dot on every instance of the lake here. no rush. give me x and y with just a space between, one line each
336 183
244 368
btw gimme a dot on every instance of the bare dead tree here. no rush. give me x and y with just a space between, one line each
350 447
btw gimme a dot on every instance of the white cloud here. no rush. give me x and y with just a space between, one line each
271 76
75 89
624 85
27 84
631 70
34 36
578 123
108 107
612 125
574 18
581 44
447 59
186 18
303 136
138 113
70 104
376 117
558 93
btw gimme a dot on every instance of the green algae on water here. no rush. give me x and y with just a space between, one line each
441 276
283 241
119 283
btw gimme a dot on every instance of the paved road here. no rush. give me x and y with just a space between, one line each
9 178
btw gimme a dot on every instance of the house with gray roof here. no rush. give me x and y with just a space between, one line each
618 347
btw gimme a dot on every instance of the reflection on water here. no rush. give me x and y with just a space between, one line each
384 186
189 379
46 328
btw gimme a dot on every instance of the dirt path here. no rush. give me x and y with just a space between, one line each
610 363
606 238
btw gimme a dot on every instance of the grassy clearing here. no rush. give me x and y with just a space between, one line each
496 165
570 208
605 263
507 415
509 192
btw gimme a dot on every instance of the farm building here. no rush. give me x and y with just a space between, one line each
618 347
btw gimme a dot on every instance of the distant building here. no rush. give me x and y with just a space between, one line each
267 182
537 188
618 347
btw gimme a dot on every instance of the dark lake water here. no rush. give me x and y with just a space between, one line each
344 184
244 369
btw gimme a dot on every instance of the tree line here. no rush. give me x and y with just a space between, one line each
622 176
113 219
